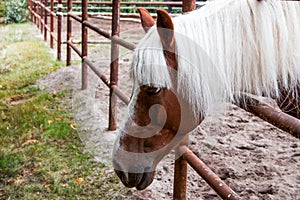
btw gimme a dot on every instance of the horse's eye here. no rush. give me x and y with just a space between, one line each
152 90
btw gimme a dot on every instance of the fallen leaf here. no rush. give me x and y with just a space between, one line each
73 125
11 180
50 121
58 118
64 184
35 169
29 142
79 180
16 97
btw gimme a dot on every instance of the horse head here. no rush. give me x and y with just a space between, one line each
158 118
187 68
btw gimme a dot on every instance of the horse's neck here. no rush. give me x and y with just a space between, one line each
239 49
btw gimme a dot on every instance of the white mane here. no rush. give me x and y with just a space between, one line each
227 47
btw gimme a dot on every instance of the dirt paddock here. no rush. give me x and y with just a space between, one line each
254 158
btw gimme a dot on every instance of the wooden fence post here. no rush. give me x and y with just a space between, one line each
69 32
180 172
45 20
84 40
41 13
30 9
35 16
188 5
180 178
51 24
59 24
113 103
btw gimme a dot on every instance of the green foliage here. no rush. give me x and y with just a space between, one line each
41 155
16 11
9 163
2 8
100 8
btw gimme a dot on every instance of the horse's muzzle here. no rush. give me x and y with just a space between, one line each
138 180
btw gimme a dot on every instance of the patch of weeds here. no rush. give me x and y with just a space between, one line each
9 164
41 155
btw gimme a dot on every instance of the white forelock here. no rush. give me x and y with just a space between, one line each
224 48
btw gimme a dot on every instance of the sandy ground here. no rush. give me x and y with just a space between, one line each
254 158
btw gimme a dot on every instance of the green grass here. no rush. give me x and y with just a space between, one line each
41 155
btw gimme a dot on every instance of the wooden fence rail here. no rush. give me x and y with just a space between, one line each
222 189
39 12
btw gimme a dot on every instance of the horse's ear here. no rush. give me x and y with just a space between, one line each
146 19
165 30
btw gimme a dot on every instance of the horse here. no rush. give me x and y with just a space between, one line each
184 67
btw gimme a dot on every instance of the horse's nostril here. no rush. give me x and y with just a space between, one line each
133 175
146 180
135 178
121 175
124 178
129 179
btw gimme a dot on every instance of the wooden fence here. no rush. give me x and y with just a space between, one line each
40 10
